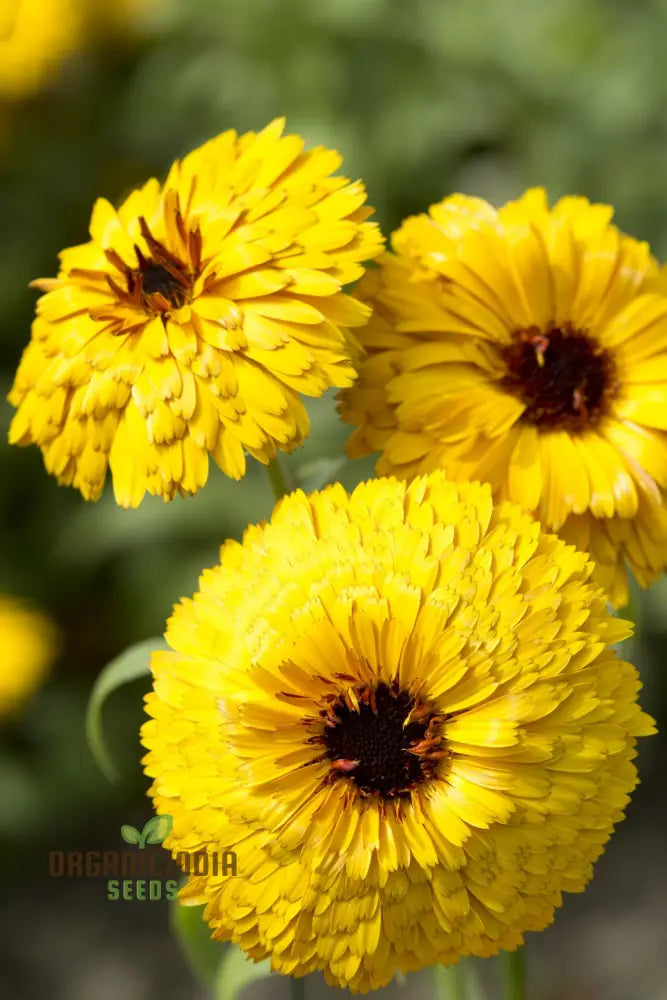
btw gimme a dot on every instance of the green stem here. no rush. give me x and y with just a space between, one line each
515 974
298 988
278 481
450 982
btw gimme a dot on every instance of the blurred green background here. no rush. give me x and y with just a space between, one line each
422 98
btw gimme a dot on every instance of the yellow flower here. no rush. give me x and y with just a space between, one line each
195 317
28 644
526 347
402 711
35 36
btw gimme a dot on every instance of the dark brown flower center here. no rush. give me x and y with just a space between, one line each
562 375
157 280
161 281
383 739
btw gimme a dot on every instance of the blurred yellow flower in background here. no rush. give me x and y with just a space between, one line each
526 347
195 318
28 641
36 36
402 710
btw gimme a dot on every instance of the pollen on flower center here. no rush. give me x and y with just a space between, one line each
562 375
383 739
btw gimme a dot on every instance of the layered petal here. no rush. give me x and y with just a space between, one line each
199 313
403 712
525 346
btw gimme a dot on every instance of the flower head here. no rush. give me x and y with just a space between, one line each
28 643
402 711
526 347
195 317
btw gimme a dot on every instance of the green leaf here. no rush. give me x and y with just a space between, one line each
129 666
157 829
130 834
236 971
203 955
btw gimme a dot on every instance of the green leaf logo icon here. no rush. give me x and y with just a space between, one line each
130 834
157 829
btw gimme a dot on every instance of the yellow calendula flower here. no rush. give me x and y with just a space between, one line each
526 347
195 318
402 710
28 643
35 36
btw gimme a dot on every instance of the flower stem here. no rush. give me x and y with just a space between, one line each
515 974
278 484
298 988
450 982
